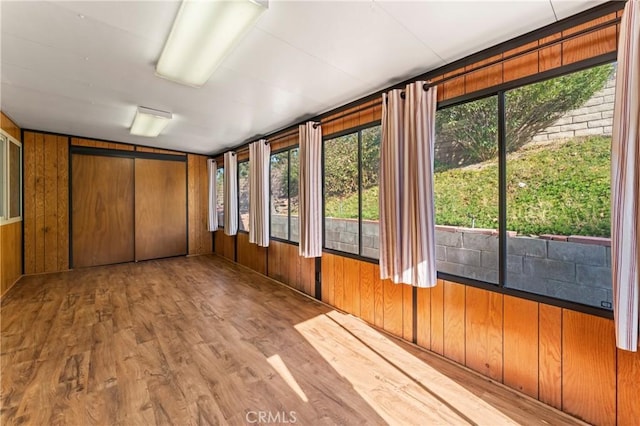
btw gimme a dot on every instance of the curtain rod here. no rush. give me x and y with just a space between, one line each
457 75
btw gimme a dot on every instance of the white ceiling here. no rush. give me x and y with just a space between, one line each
83 67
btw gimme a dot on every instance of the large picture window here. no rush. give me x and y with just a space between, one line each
11 184
547 231
351 163
243 196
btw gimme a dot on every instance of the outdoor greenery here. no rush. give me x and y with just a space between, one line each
472 128
562 189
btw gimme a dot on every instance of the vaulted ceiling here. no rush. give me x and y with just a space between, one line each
83 67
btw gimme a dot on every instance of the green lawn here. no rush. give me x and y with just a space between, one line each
563 188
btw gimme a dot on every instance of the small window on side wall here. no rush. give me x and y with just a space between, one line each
11 187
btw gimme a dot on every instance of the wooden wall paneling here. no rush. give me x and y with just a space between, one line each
327 279
484 77
338 282
521 66
9 126
62 213
628 388
437 318
244 253
273 260
550 57
218 243
101 144
520 345
378 297
377 111
589 45
161 208
367 303
260 260
198 198
393 297
484 332
50 203
229 246
307 274
293 262
366 115
10 255
453 87
423 323
29 201
40 204
102 211
407 312
588 367
454 321
193 199
550 355
351 279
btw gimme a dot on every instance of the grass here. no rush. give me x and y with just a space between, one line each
560 188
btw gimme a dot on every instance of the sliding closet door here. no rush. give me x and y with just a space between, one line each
161 208
102 210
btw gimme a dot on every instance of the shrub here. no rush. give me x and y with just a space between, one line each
472 128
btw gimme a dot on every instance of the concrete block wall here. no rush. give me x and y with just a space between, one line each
594 117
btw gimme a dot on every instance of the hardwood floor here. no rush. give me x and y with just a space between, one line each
202 340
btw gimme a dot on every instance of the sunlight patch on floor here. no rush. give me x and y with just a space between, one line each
402 393
281 368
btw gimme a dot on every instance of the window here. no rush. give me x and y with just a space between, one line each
220 196
351 212
284 194
243 196
466 190
11 187
552 157
558 171
280 201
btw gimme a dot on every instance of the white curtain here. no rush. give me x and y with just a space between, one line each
212 169
407 219
259 158
625 182
230 193
310 190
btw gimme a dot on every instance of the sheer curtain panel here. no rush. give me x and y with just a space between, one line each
212 168
259 158
230 193
625 182
407 218
310 190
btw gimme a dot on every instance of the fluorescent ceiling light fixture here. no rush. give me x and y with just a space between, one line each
149 122
203 33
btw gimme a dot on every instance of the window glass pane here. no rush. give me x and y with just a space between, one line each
280 195
370 206
220 196
558 186
466 190
341 193
243 195
294 173
15 173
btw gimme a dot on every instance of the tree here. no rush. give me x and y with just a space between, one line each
471 129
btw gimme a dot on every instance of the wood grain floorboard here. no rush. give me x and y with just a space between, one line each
201 340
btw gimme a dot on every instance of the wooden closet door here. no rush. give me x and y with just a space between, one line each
102 210
161 208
